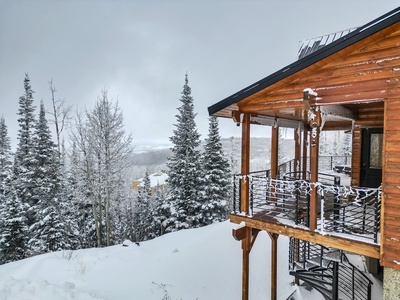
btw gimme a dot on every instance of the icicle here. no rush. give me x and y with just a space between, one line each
323 118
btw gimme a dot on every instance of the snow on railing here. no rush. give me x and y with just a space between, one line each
340 209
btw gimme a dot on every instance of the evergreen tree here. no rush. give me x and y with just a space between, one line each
46 172
159 213
12 231
24 162
13 236
69 207
217 186
48 232
5 156
142 213
184 175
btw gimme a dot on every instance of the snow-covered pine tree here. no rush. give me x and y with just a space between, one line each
217 182
142 210
159 213
68 203
24 160
14 232
6 189
184 174
5 156
47 164
48 232
347 145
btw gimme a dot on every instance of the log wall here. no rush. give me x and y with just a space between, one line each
390 227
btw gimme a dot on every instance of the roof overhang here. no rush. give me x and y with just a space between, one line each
351 78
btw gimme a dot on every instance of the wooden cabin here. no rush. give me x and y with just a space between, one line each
349 83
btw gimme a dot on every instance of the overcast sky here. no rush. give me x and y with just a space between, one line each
141 50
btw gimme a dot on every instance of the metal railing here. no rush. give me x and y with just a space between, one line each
340 209
351 282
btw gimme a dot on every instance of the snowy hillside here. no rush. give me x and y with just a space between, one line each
202 264
191 264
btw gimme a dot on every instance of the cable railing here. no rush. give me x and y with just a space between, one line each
340 209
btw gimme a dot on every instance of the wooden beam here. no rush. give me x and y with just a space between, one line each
353 98
269 104
239 233
236 116
338 242
244 206
338 111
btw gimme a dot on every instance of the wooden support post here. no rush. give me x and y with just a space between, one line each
305 143
248 236
244 203
297 150
314 155
274 151
246 247
274 264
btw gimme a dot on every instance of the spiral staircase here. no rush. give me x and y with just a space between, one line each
328 271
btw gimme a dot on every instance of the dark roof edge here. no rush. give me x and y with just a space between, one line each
362 32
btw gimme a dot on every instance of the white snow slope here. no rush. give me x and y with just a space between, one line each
203 264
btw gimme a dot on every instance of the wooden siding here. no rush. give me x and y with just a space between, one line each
390 227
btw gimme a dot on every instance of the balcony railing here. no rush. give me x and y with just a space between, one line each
341 209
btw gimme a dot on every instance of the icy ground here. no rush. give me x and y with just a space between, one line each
203 264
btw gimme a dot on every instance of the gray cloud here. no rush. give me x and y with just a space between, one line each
141 51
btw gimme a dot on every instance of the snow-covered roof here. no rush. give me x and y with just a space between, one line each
156 179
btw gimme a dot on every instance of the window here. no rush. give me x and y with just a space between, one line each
375 156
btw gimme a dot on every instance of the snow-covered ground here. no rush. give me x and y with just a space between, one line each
203 264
